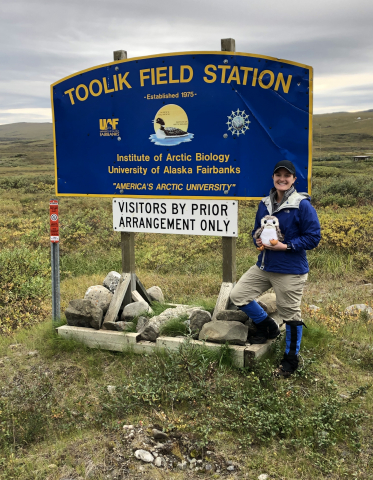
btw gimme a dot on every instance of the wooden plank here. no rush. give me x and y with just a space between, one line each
104 339
229 259
128 252
119 55
223 298
173 343
118 297
228 45
118 341
136 297
142 291
253 352
127 241
229 243
144 347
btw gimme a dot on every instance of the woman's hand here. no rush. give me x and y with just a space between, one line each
278 246
259 242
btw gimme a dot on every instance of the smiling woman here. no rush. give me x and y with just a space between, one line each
282 263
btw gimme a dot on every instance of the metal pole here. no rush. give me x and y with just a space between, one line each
55 262
55 259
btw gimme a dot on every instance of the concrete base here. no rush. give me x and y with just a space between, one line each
119 341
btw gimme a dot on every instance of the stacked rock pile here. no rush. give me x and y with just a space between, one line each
91 311
232 326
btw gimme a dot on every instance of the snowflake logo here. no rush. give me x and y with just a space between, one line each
238 122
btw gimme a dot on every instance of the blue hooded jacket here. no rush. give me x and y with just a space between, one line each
301 228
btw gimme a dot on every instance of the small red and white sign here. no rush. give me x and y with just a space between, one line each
53 218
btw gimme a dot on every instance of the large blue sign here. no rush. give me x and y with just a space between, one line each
186 125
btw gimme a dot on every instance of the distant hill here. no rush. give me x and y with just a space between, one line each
25 145
344 132
26 131
340 132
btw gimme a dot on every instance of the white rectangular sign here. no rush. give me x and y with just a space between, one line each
185 217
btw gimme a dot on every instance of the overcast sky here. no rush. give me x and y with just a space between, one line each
43 41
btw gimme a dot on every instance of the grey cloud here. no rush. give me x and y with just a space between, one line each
47 40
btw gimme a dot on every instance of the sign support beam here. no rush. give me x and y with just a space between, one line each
229 243
127 238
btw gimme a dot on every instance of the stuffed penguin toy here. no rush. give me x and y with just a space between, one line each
269 231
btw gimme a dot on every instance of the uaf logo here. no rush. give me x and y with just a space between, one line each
108 127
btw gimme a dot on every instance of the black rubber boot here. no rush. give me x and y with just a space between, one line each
290 360
289 364
266 329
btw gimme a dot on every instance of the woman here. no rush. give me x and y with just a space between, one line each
283 266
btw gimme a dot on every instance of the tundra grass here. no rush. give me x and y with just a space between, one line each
56 412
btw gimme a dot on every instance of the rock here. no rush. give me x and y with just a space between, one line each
33 353
151 330
155 294
208 467
315 308
230 468
192 465
111 281
128 427
125 326
359 307
268 302
159 462
116 474
84 313
133 310
232 316
144 456
182 465
117 326
141 323
111 389
263 476
197 319
158 435
220 332
90 470
99 296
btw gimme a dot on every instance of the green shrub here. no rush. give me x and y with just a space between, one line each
325 172
30 184
250 405
337 199
175 327
357 188
24 283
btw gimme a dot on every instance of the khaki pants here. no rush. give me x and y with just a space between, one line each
288 289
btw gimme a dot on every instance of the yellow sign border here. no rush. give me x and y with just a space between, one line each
231 54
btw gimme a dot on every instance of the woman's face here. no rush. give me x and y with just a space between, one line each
283 179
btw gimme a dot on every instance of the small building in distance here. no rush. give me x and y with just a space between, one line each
358 158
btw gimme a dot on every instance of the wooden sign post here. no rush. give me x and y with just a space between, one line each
128 242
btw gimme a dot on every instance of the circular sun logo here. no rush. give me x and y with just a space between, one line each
238 122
